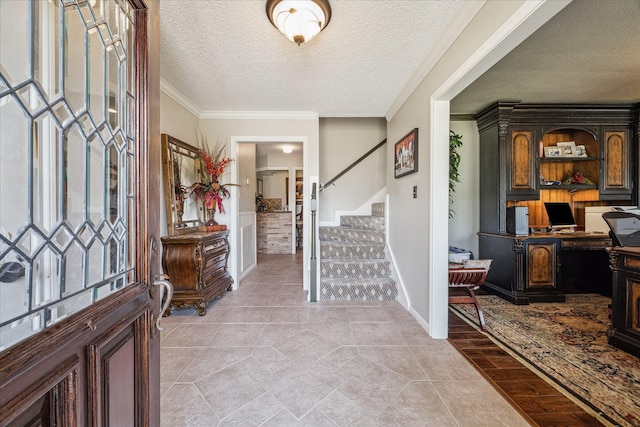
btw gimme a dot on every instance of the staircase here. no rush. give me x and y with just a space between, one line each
353 265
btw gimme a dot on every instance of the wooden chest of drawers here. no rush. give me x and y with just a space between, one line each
196 264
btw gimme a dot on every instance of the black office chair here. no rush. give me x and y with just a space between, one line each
625 228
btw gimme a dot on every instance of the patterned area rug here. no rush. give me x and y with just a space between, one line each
568 342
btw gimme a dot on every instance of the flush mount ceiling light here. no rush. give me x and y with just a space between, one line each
299 20
287 149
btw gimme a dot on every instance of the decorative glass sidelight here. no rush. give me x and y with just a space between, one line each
67 128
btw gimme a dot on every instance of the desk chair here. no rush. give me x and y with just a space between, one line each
469 276
625 228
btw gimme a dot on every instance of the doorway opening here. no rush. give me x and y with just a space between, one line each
269 218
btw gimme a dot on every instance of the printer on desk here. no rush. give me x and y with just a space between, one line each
593 221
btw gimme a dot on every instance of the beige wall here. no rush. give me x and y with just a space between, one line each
176 121
246 159
342 141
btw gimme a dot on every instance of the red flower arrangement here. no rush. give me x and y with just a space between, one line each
576 178
210 191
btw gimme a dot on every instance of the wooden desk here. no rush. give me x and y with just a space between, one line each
542 267
625 302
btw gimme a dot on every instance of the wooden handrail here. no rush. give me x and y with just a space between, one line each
354 164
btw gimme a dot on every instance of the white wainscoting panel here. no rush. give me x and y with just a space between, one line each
247 248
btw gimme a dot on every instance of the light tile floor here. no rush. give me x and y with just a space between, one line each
263 356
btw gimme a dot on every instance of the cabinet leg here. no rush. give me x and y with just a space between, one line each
202 308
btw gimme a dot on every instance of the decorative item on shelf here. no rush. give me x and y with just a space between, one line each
568 148
210 191
581 151
552 151
577 179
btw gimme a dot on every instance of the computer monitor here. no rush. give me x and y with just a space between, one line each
560 215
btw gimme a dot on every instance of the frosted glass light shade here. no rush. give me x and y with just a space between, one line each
299 20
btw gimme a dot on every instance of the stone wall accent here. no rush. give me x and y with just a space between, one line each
273 231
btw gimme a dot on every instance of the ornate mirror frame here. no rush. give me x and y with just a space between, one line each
181 168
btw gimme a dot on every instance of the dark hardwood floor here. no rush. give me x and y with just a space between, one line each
534 398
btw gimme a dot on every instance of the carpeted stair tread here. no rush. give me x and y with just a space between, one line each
361 268
339 250
372 289
351 235
363 222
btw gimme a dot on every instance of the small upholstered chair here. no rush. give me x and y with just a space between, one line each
469 276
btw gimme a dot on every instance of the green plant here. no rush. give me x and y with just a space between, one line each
455 142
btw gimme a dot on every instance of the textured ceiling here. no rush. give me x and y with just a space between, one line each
226 55
589 52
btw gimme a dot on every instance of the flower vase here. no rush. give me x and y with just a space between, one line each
211 211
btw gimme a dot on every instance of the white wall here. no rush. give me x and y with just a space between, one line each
466 199
342 141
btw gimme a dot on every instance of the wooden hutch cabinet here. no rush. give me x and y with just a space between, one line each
197 266
518 168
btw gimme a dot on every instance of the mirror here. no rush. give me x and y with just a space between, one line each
181 169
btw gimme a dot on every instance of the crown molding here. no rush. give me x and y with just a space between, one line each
259 115
177 96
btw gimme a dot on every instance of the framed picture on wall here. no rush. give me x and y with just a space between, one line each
406 154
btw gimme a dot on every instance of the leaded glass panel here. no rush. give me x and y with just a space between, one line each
67 128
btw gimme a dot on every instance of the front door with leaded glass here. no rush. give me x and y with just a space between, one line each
76 310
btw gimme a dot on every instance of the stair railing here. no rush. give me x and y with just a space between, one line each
352 165
313 207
